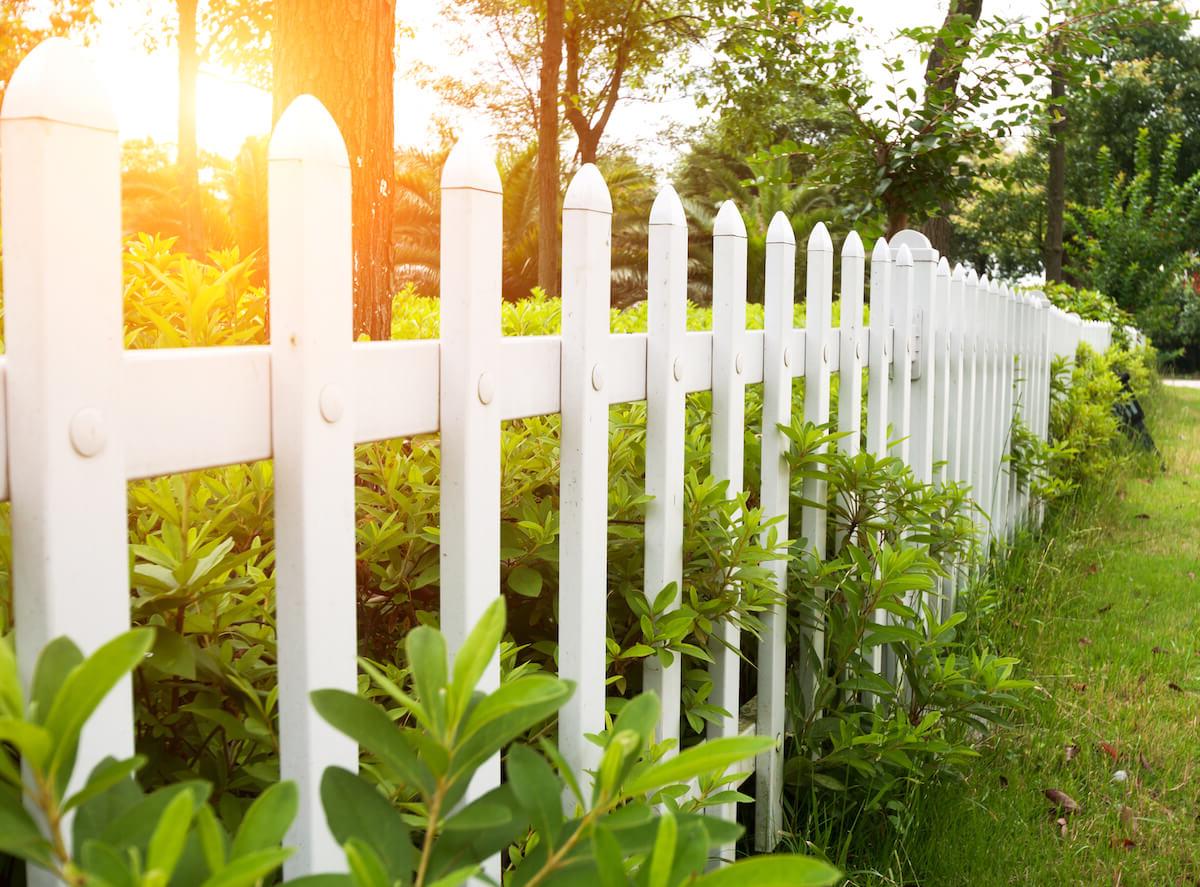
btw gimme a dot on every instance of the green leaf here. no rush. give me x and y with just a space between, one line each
780 870
426 649
12 702
86 685
538 791
663 854
104 776
267 820
105 865
365 865
355 809
472 659
610 864
169 836
708 757
19 834
503 715
525 581
248 870
368 725
214 843
54 663
640 715
456 877
31 741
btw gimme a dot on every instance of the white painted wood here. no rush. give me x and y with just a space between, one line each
924 358
878 380
60 210
778 359
728 445
470 403
972 383
853 350
900 382
665 402
818 363
583 534
880 349
955 471
939 323
311 374
1007 337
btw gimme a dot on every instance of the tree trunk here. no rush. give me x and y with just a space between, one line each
343 54
188 157
942 73
1056 180
547 158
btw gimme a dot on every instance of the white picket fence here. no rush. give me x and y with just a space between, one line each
950 358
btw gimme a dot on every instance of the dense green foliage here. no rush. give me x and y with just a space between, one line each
640 824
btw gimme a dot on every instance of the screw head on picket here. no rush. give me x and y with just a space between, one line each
677 369
87 432
597 377
486 389
332 403
787 357
739 363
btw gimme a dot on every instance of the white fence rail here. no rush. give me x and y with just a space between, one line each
949 357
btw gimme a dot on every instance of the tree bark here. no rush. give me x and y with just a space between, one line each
1056 179
942 73
547 158
589 129
188 157
343 55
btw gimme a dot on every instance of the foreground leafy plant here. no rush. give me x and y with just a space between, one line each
631 827
108 832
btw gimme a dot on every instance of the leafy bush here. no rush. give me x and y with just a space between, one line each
641 824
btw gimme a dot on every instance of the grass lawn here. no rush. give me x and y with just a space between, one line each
1104 610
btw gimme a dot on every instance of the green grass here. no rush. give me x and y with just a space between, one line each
1104 611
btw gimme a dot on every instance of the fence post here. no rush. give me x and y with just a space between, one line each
939 341
972 383
728 442
818 363
313 435
583 479
665 416
880 368
900 383
61 218
923 369
880 345
956 470
776 411
470 408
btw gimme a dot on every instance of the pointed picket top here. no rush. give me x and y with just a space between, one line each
667 209
588 191
984 283
780 230
819 240
471 166
903 256
943 268
970 276
58 81
306 131
852 247
882 251
729 222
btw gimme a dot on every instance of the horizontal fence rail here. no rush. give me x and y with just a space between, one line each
949 359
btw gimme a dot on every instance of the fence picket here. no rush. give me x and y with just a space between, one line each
818 362
470 407
728 444
665 417
776 493
878 379
311 334
61 217
940 342
583 480
852 348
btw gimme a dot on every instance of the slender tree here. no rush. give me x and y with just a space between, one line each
547 147
344 56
